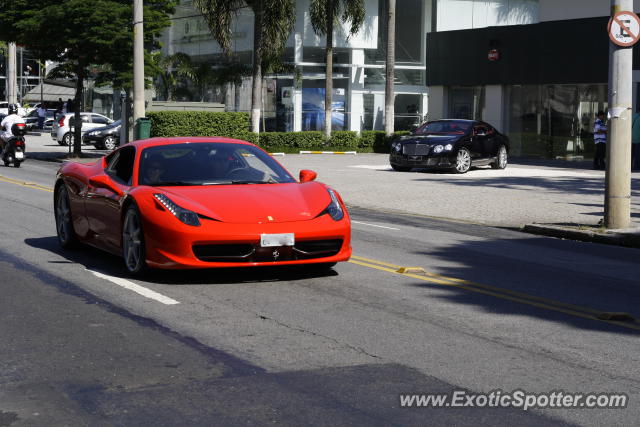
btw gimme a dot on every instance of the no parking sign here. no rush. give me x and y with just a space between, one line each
624 28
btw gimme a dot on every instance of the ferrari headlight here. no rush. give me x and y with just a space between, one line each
334 209
448 147
438 149
184 215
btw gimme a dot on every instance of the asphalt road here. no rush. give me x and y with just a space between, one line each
83 344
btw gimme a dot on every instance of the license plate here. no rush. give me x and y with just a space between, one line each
19 155
271 240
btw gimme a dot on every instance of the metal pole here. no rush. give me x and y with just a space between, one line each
138 62
21 75
617 202
11 74
41 68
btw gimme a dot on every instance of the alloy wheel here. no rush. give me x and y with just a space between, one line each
63 218
502 157
463 161
67 139
132 242
109 142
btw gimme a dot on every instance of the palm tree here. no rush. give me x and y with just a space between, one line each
389 94
324 14
272 23
169 68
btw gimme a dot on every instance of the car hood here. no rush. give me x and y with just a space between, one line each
429 139
253 203
115 125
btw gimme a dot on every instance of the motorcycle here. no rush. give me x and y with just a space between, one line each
13 150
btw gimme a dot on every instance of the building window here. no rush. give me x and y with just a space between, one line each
554 121
466 102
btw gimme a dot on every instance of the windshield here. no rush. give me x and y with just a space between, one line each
209 163
444 127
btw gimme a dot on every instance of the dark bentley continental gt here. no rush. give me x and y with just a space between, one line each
450 144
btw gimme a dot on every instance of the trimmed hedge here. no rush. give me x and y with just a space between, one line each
369 141
236 125
199 123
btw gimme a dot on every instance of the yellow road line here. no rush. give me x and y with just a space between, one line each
454 280
506 294
25 184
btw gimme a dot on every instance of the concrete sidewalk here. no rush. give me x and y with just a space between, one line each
549 197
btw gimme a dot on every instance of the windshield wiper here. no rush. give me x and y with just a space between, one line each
175 183
251 182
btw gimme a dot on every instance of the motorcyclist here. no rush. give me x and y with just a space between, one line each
7 122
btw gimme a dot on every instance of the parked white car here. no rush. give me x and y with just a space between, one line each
62 130
4 109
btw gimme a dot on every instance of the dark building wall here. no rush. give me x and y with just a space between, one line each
571 51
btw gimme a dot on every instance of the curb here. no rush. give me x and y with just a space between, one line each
628 238
328 152
61 157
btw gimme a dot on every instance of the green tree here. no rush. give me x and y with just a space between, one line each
324 15
77 34
169 68
272 23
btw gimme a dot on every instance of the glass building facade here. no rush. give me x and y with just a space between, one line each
294 100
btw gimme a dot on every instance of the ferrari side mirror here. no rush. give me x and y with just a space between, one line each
307 175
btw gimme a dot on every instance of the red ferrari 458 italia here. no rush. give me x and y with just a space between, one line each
199 203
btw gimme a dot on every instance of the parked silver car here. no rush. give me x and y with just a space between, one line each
62 130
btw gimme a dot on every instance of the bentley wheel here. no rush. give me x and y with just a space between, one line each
501 158
463 161
133 250
64 224
109 142
400 168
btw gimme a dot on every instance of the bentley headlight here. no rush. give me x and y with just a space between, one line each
184 215
438 149
448 147
334 209
396 146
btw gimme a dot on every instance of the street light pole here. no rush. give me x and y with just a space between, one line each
617 202
138 62
12 81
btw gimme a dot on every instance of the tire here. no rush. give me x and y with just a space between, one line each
67 139
133 249
400 168
501 158
16 164
463 161
109 142
64 223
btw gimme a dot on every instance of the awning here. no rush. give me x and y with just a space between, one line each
51 92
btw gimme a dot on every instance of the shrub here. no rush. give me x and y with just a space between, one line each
199 123
345 139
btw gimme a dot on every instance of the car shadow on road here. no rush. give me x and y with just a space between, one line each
542 286
102 262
